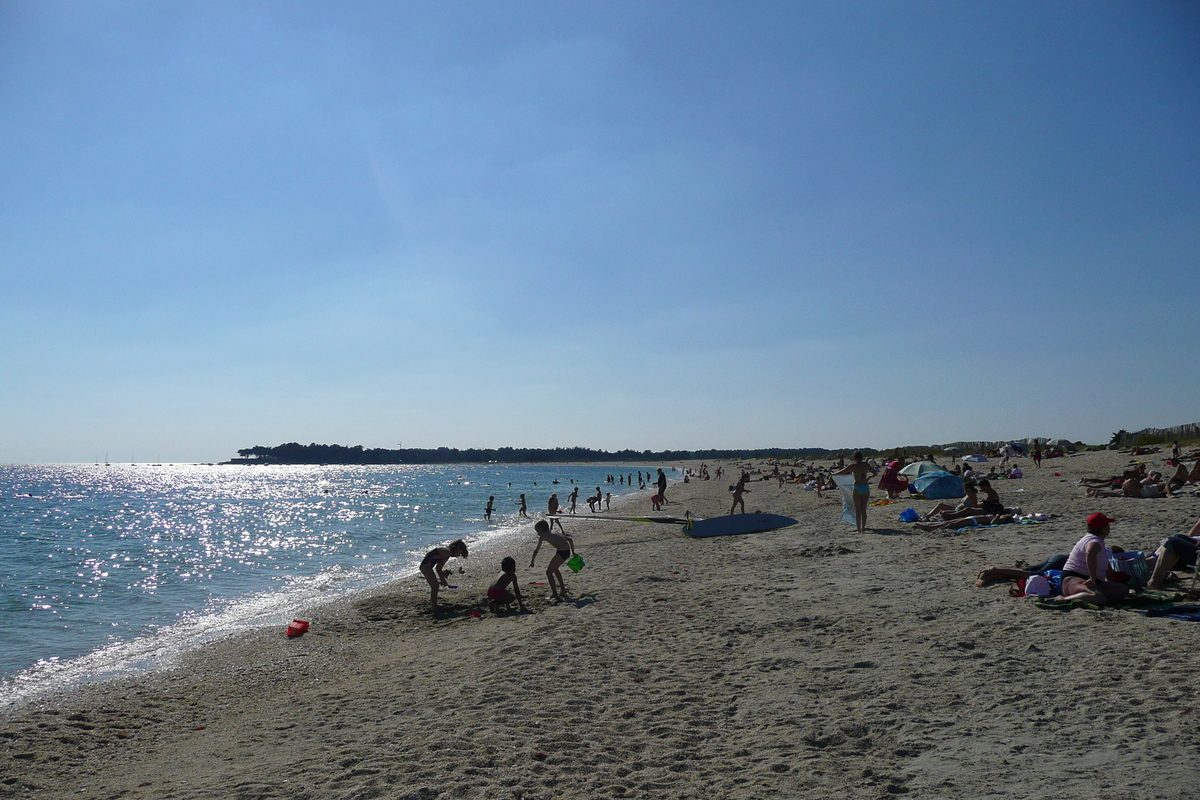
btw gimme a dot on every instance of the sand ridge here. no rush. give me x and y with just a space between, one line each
805 662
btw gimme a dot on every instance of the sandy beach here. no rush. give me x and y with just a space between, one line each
805 662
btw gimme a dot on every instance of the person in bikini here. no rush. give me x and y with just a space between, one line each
862 488
433 567
564 548
498 593
967 522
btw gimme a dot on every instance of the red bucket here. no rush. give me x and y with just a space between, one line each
297 628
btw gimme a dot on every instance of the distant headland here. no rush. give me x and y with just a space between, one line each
293 453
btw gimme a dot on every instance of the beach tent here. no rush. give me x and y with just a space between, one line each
978 459
939 486
919 468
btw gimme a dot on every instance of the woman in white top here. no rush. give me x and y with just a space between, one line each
1085 575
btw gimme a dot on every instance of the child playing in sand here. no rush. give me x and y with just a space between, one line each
564 548
498 593
434 565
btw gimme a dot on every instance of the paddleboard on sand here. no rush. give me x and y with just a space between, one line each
737 523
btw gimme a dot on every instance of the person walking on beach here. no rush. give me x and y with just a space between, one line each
574 498
862 488
433 567
1037 454
552 512
487 511
564 548
662 486
524 507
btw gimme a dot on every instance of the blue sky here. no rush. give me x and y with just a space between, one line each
601 224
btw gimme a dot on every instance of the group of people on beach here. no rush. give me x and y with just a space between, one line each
600 501
506 589
1098 573
1138 482
1086 574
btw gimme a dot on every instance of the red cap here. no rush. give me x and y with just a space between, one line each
1097 521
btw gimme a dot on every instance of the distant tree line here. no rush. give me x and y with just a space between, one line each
293 453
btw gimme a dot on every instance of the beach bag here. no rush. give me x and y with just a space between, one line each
1133 565
1037 586
909 515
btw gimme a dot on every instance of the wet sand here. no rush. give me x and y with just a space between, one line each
806 662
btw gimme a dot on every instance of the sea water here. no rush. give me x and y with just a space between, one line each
107 570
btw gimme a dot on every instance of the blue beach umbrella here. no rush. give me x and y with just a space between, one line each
939 486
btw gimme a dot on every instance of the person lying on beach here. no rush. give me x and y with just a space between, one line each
1153 486
1085 575
738 491
1130 487
967 522
969 506
1177 549
433 567
1115 481
564 548
498 593
994 574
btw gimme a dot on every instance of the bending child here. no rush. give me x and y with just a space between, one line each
564 548
432 567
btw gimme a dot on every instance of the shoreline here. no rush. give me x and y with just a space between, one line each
165 649
810 661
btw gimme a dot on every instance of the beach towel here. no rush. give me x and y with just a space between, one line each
846 484
1159 601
